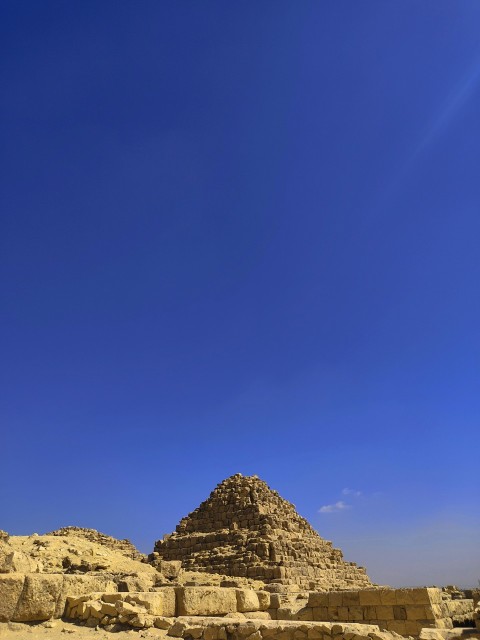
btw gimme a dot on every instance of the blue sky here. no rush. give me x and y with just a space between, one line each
243 237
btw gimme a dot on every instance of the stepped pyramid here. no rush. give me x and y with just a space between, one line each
246 529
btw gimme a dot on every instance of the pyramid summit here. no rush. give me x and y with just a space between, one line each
246 529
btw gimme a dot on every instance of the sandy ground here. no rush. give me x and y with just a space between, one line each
59 630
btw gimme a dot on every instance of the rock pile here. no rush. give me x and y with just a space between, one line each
246 529
125 547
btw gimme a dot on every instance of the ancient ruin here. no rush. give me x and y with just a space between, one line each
246 529
243 566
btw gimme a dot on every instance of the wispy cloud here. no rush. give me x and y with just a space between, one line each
333 508
351 492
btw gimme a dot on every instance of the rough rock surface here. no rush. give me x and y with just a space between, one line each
245 528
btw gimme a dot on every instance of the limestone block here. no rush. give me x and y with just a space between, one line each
11 587
413 627
128 609
109 609
170 568
355 613
205 601
385 612
399 613
163 622
369 597
335 599
350 598
257 615
142 621
398 626
320 614
113 597
263 600
169 600
415 612
77 585
343 614
16 562
247 600
388 597
152 602
318 599
39 597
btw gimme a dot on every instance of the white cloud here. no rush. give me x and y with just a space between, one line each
351 492
332 508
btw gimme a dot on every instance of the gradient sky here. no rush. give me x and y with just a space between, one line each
244 237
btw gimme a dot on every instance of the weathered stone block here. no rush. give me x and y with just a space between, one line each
385 612
263 600
335 599
317 599
320 614
399 613
350 598
77 585
39 597
388 597
369 597
355 613
247 600
169 601
152 602
205 601
11 587
415 612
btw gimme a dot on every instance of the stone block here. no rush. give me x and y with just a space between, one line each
320 614
369 597
151 601
247 600
264 598
257 615
355 613
335 599
169 601
205 601
388 597
39 597
385 612
343 614
11 587
415 612
398 626
78 585
317 599
399 613
413 627
350 598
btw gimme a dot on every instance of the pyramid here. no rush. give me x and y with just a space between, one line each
245 529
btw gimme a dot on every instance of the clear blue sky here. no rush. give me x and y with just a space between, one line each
244 237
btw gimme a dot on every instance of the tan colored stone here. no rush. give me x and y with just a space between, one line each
177 629
152 602
247 600
369 597
39 597
163 622
11 587
206 601
385 612
264 598
142 621
388 597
